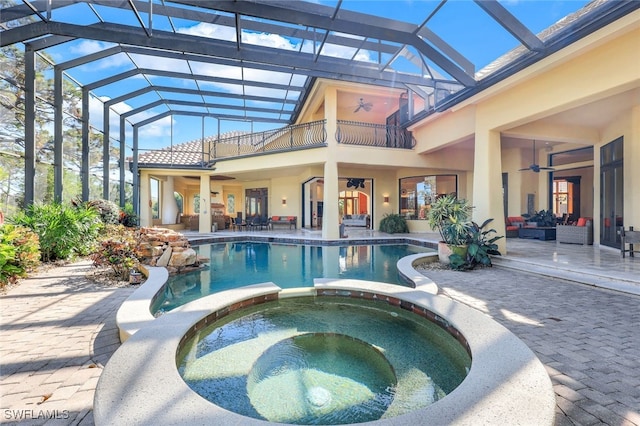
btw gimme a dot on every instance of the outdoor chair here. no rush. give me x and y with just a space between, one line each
629 238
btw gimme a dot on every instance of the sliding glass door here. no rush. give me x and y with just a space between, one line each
611 192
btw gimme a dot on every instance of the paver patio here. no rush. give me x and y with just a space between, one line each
58 330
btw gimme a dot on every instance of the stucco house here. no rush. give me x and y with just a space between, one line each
561 134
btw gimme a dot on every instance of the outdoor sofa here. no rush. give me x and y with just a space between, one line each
579 233
356 220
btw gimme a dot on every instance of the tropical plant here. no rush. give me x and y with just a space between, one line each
394 224
541 218
108 210
64 231
481 246
19 252
450 216
128 217
117 250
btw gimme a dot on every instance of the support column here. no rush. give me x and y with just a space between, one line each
123 163
57 135
29 125
205 204
169 213
84 168
134 170
631 173
145 215
487 183
330 219
106 152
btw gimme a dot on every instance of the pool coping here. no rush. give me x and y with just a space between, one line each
140 384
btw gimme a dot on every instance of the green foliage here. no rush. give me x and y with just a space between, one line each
64 231
451 216
19 252
542 218
394 224
108 210
481 245
128 217
117 250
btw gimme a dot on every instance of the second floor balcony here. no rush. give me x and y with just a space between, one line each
204 153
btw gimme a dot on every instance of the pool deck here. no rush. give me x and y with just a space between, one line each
57 330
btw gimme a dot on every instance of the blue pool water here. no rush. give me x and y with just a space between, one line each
326 360
238 264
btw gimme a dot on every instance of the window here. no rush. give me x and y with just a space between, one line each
348 202
196 203
231 204
418 192
562 195
256 202
155 198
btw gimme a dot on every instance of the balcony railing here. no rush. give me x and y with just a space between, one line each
379 135
299 136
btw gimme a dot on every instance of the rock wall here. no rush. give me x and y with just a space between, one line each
164 247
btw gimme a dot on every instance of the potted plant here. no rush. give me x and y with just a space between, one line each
543 218
482 245
450 216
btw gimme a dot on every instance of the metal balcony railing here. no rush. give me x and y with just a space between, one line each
378 135
299 136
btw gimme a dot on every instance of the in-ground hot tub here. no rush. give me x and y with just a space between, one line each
323 360
505 384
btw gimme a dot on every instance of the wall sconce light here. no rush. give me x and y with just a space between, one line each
284 201
386 198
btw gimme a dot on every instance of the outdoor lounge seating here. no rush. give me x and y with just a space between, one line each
356 220
629 237
580 233
291 221
512 225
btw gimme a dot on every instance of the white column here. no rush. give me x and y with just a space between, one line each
487 183
169 205
330 219
205 204
145 200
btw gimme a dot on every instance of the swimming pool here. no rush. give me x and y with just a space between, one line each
237 264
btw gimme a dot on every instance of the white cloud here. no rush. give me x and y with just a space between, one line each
88 47
159 128
205 29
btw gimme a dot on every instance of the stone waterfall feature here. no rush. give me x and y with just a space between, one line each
164 247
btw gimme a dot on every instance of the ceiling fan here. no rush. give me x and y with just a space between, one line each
535 167
355 183
364 105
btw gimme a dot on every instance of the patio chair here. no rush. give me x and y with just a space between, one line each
630 238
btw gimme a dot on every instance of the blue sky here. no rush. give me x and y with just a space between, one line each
461 23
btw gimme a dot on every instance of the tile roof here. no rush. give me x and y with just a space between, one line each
192 153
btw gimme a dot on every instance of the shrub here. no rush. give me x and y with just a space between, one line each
64 231
450 216
128 217
117 250
108 210
394 224
19 252
480 246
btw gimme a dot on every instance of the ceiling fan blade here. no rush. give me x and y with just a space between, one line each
367 107
358 109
